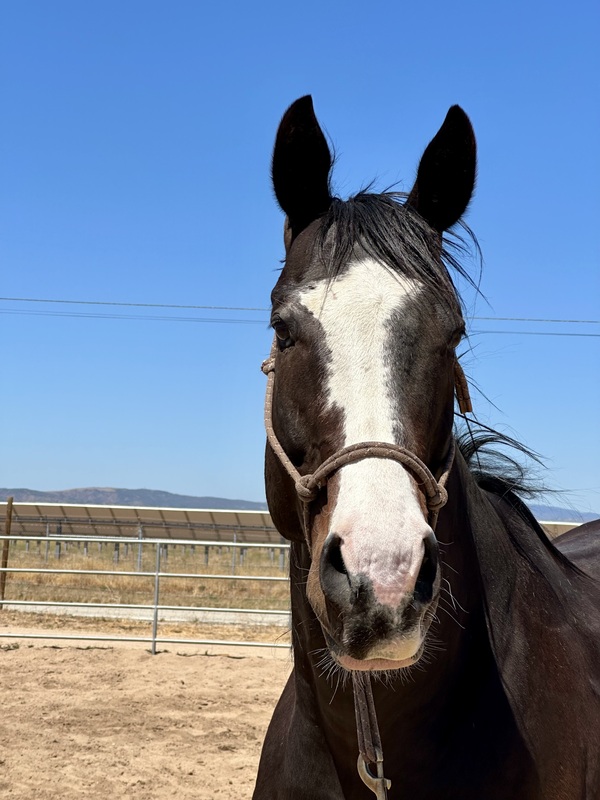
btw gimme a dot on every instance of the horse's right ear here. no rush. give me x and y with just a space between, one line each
446 175
301 166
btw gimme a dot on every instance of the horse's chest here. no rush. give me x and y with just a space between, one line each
463 765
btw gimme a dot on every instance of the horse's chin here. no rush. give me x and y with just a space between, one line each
376 664
389 655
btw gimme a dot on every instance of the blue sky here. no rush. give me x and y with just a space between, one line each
134 167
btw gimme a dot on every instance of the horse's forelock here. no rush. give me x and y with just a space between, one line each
388 230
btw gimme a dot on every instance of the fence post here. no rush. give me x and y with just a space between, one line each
139 552
156 596
47 540
57 546
5 547
233 549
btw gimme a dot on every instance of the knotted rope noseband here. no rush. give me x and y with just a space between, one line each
308 487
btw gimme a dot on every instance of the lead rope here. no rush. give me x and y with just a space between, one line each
369 740
308 487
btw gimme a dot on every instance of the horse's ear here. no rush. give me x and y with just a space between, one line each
446 174
301 166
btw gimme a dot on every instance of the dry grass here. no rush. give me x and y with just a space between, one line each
14 620
207 592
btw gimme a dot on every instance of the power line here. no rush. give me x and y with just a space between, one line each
137 317
537 319
129 305
182 306
240 321
537 333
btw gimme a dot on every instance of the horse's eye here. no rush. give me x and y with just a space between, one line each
282 332
457 336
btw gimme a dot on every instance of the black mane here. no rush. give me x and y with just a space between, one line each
388 229
494 469
500 474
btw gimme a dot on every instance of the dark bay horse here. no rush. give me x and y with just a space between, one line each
480 637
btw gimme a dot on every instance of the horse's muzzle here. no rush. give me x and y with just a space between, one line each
366 621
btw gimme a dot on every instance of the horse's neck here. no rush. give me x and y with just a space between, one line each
544 629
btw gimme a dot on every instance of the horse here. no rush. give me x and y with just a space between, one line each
438 634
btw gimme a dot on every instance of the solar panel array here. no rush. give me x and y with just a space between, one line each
62 519
204 524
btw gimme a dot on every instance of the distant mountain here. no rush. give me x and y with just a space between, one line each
151 498
148 498
557 514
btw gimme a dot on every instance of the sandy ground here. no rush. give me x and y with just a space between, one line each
113 721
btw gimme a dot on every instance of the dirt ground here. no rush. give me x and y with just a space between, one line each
112 721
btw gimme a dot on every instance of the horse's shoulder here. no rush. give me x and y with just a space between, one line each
581 546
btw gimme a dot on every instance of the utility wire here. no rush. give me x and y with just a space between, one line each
537 319
130 305
536 333
149 317
253 308
241 321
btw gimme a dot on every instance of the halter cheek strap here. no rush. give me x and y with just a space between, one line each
308 487
461 389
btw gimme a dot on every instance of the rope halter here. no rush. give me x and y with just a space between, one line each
308 486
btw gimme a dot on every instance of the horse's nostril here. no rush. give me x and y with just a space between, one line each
427 574
334 555
335 580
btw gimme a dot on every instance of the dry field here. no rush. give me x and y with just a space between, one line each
114 721
138 589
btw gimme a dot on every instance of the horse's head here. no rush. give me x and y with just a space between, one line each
366 323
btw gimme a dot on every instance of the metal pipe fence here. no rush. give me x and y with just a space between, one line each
158 576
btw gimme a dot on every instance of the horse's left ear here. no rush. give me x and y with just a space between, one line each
446 175
301 166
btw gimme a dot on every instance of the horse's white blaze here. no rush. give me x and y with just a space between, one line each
377 512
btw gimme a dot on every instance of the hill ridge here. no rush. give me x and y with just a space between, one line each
109 496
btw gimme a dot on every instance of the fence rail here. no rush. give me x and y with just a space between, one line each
239 549
158 575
